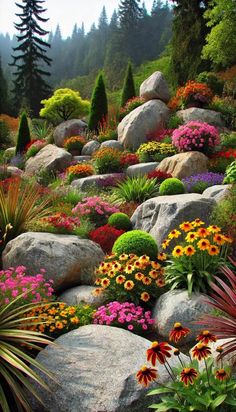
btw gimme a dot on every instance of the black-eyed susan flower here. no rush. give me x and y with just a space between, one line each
111 273
191 236
137 264
189 250
74 320
197 222
153 274
145 297
188 375
97 291
201 351
59 325
165 243
139 276
144 259
205 337
98 281
123 256
160 282
155 265
146 375
178 251
203 244
186 226
116 266
228 239
129 269
146 280
129 284
214 229
158 352
221 374
105 282
219 239
174 234
178 332
213 250
162 256
120 279
203 232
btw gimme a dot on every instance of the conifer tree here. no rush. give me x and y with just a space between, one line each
23 137
30 55
99 107
129 13
3 91
128 90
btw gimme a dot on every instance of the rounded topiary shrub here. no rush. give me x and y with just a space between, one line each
172 186
120 221
136 241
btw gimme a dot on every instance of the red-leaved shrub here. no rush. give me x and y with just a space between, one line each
105 236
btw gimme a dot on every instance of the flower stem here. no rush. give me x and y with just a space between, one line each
207 372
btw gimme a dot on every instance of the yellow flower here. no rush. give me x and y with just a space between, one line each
156 265
165 243
189 250
74 320
144 259
63 314
139 276
160 282
214 229
111 274
71 310
59 325
98 281
129 269
228 239
202 232
197 222
213 250
191 236
129 284
138 264
203 244
219 239
123 256
120 279
62 305
162 256
146 280
153 274
178 251
105 282
174 234
145 297
186 226
116 266
97 291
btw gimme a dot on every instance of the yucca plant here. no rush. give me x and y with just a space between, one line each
16 359
224 300
137 189
21 205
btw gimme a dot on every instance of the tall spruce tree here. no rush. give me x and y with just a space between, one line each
99 107
129 13
29 83
128 90
3 91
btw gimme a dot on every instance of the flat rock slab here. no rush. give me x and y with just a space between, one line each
141 169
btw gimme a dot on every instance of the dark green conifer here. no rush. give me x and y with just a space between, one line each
128 90
23 137
99 107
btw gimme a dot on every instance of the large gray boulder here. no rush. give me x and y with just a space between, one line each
90 148
141 169
145 119
95 369
155 87
113 144
159 215
217 192
72 127
94 181
67 259
82 294
184 164
50 158
176 306
201 115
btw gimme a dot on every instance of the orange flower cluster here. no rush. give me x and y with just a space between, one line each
79 171
191 92
12 122
74 143
107 152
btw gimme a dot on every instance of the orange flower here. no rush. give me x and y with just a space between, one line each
161 256
178 332
156 265
203 232
188 375
97 291
129 269
189 250
221 375
146 375
203 244
206 337
165 243
191 236
82 170
201 351
74 320
138 276
213 250
178 251
111 274
186 226
123 256
214 229
174 234
120 279
145 297
219 239
105 282
129 284
160 282
144 259
228 239
98 281
146 280
158 351
197 222
153 274
59 325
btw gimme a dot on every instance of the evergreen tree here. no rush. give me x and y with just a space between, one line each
3 92
128 90
99 107
23 137
129 13
29 83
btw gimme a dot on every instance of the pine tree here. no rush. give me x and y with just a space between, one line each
3 92
99 107
29 83
128 90
23 137
129 13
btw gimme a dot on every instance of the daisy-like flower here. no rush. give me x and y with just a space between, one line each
221 374
137 264
165 243
59 325
186 226
74 320
156 265
98 281
146 280
178 251
213 250
197 222
219 239
120 279
191 236
203 244
201 351
146 375
145 297
139 276
205 337
162 256
144 259
178 332
129 269
158 351
105 282
123 256
97 291
214 229
111 273
174 234
188 375
116 266
203 232
153 274
160 282
129 284
189 250
228 239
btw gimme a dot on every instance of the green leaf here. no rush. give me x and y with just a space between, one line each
218 401
160 391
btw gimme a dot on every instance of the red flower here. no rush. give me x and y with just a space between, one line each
206 337
158 351
105 236
201 351
188 375
221 375
146 375
178 332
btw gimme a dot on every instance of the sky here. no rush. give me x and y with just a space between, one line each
63 12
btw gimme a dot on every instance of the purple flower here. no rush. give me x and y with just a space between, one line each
202 181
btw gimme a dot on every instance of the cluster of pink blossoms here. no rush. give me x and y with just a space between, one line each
14 282
124 315
96 209
194 135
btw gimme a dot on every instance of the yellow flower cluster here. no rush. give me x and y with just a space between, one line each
130 277
156 147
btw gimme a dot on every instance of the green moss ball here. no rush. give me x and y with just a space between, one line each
171 186
137 242
120 221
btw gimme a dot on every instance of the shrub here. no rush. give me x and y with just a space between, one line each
230 173
171 186
155 151
174 122
228 140
107 160
128 91
105 236
130 105
212 81
5 139
74 143
137 242
23 137
128 159
227 108
137 189
218 164
120 221
193 93
129 278
196 136
96 209
99 107
124 315
78 171
198 183
34 148
158 175
197 258
63 223
224 214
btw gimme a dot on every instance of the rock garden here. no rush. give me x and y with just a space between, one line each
118 273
